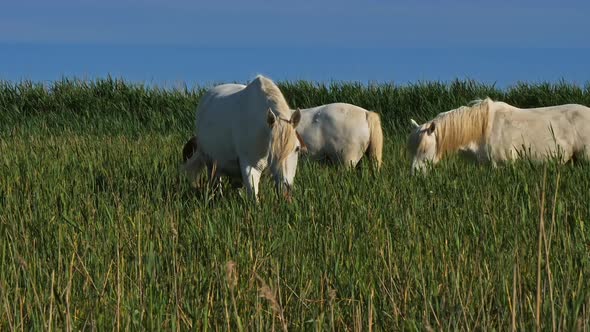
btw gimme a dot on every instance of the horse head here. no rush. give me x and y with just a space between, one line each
285 147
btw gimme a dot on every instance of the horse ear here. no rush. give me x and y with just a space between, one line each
295 118
431 128
270 118
414 123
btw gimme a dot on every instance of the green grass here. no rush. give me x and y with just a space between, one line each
99 230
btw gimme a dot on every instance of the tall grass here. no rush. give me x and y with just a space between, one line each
99 230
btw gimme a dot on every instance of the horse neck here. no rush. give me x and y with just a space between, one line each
459 128
279 105
272 96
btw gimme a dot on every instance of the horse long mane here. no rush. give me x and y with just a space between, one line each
462 126
284 136
283 142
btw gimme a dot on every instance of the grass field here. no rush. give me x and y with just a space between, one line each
99 230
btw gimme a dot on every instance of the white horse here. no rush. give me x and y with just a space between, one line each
337 132
242 129
495 132
341 133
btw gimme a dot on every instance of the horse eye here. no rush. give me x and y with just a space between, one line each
297 149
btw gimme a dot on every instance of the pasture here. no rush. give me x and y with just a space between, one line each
99 230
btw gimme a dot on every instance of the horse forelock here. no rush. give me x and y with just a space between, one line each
283 142
462 126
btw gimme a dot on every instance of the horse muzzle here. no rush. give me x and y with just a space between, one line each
285 190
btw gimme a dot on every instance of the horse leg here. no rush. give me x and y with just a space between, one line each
251 178
214 178
350 157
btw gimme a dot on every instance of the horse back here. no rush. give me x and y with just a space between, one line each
332 128
540 131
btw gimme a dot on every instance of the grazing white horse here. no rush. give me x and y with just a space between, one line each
495 132
242 129
341 133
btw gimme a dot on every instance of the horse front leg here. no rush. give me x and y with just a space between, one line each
251 178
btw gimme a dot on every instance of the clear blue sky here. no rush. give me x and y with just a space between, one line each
171 42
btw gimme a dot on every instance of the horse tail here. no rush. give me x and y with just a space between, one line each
192 159
375 148
189 149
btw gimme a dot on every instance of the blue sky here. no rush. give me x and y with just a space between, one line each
202 42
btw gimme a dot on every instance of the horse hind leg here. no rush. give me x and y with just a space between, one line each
350 157
214 178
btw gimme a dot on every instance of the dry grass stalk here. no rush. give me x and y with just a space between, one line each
269 295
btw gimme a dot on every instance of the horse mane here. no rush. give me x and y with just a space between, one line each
462 126
283 135
284 139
